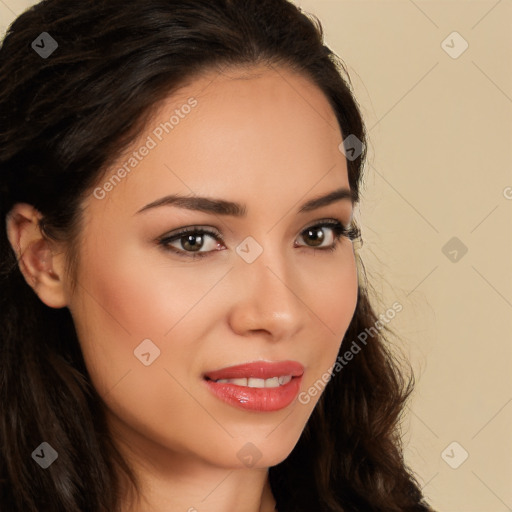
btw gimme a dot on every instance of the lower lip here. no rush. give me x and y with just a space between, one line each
256 399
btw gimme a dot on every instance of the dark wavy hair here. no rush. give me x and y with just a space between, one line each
64 120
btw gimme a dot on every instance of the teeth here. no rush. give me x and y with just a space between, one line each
238 382
268 383
273 382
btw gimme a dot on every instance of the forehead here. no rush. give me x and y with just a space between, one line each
260 103
229 133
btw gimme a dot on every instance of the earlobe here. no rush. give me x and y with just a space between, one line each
40 266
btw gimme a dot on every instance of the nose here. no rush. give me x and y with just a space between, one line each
268 298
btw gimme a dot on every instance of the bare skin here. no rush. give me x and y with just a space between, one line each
268 140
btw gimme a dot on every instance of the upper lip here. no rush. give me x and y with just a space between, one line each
257 370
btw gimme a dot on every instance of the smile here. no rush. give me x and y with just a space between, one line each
262 386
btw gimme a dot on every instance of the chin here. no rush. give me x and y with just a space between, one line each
263 450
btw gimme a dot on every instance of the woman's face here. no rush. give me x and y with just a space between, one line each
156 312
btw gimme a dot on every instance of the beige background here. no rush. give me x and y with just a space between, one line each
440 160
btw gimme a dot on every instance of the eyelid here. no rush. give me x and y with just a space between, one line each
327 220
193 229
216 234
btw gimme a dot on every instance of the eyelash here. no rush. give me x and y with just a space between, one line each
351 233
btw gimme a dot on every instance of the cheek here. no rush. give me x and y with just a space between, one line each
334 307
334 297
128 297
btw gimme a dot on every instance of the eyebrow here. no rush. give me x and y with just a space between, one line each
222 207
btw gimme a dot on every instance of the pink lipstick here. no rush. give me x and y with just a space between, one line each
259 386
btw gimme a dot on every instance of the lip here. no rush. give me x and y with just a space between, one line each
257 370
256 399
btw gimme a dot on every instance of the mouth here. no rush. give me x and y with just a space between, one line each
252 382
262 386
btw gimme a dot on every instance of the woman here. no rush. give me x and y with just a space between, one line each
183 327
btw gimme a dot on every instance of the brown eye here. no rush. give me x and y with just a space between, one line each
191 242
317 238
315 235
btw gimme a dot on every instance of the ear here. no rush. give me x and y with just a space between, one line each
42 268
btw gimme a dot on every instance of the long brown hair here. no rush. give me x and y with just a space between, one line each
64 119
